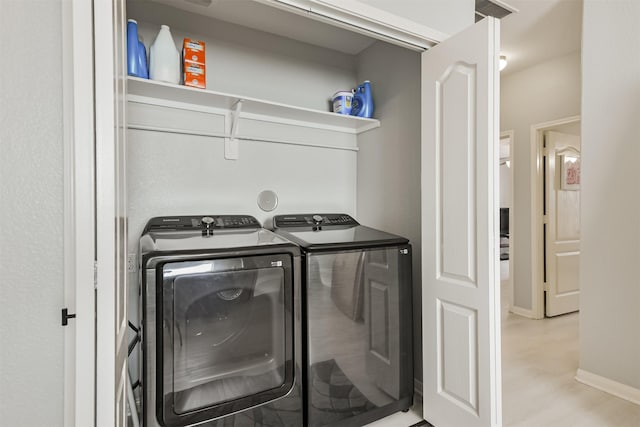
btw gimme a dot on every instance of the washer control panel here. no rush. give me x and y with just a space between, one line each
313 220
201 222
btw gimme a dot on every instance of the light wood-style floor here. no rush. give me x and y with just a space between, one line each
539 363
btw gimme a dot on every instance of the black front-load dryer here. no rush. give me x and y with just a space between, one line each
221 324
357 319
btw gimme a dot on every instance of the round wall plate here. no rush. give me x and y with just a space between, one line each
267 200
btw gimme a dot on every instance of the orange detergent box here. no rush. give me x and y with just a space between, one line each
194 75
193 51
193 63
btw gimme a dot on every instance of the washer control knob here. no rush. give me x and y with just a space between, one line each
207 221
317 219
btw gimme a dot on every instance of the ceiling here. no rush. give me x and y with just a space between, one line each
539 31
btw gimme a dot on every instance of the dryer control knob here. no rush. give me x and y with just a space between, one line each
207 221
317 219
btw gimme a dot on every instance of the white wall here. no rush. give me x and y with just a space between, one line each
545 92
171 174
610 248
31 204
389 158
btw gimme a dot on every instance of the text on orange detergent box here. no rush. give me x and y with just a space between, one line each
194 75
193 51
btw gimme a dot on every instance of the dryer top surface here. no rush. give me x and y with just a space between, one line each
196 240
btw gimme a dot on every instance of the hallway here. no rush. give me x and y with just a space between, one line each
539 363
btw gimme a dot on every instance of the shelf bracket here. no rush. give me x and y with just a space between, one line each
231 145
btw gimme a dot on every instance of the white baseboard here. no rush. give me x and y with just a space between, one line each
522 312
620 390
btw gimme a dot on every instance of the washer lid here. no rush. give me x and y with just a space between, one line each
314 232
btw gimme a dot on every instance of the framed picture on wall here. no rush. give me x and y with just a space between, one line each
570 166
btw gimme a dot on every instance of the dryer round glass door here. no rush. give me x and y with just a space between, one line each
226 336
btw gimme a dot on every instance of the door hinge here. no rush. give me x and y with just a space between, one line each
545 286
95 275
66 316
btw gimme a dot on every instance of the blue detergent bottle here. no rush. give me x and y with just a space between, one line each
136 54
142 61
363 101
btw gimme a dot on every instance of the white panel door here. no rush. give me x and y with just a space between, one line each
111 226
562 223
460 282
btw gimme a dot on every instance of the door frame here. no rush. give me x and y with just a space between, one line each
109 38
79 213
511 135
537 223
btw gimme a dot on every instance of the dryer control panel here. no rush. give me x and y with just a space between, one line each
201 222
306 220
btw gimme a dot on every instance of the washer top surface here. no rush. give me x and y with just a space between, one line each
205 232
331 232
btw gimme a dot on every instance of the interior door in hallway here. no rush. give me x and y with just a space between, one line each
562 223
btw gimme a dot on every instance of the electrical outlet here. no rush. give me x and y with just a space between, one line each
131 263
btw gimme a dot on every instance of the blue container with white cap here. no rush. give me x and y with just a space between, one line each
136 53
363 101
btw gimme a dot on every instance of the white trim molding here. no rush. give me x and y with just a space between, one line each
69 215
79 213
522 312
537 263
510 134
607 385
359 17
